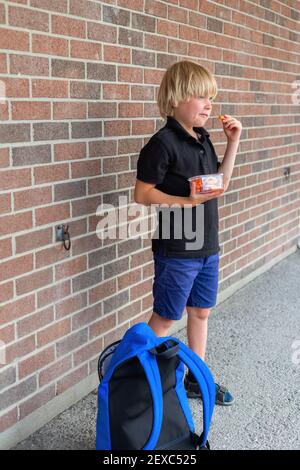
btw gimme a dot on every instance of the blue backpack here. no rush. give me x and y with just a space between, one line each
142 403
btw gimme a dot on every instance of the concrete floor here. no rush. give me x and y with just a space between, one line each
252 350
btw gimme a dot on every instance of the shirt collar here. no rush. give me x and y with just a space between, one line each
174 124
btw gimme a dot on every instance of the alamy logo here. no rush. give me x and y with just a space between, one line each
2 353
296 94
2 92
130 221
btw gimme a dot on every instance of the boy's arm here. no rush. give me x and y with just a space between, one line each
147 194
233 129
228 161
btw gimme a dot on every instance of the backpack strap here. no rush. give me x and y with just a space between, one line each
206 384
149 363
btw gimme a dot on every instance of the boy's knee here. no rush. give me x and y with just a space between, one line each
198 312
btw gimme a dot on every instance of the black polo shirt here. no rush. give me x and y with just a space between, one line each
170 157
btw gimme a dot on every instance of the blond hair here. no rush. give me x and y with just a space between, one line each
181 81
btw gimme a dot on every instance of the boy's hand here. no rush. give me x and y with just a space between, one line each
232 127
196 198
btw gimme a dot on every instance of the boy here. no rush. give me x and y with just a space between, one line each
186 274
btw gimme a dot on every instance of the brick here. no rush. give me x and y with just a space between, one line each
70 305
59 368
130 110
49 89
20 349
13 310
32 323
116 16
102 326
143 22
89 91
113 165
16 267
86 50
34 197
31 155
52 294
117 54
130 74
55 5
70 380
4 116
37 401
7 334
4 158
115 302
34 281
157 43
102 290
18 392
51 173
35 362
85 353
102 184
103 148
55 213
70 151
138 290
68 26
2 14
85 244
86 130
129 311
71 342
33 240
5 203
130 38
3 63
101 32
142 93
70 268
115 91
143 127
53 332
157 8
51 255
7 378
49 45
103 72
85 317
143 58
67 110
16 87
67 68
115 334
28 18
6 292
85 169
11 179
14 40
50 131
5 248
167 28
102 110
86 9
14 133
27 65
83 207
8 419
116 128
128 279
68 191
15 223
86 280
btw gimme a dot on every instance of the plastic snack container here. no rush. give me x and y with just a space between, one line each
207 183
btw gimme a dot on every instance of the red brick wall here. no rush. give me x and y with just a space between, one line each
81 79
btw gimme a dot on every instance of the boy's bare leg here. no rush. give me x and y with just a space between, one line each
160 325
197 329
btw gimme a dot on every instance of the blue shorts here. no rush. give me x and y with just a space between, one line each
180 282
